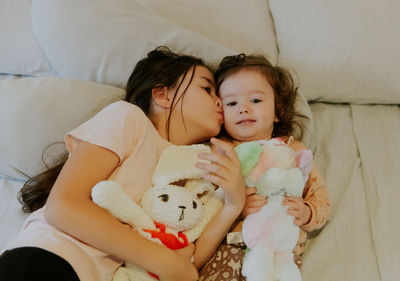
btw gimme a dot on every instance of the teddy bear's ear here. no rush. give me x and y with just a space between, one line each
178 163
304 161
200 187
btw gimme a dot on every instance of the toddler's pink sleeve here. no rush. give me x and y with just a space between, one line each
117 127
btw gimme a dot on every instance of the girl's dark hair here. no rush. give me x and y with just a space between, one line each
161 68
281 81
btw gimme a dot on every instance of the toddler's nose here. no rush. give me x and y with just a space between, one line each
243 110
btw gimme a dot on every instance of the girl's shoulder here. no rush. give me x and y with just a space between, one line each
122 113
124 107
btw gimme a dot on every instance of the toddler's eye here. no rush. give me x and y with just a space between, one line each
164 197
233 103
194 205
256 100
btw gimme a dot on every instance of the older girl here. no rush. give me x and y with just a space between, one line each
170 99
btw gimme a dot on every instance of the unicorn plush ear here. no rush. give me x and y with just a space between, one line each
304 161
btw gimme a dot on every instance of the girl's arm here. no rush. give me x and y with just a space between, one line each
224 171
70 208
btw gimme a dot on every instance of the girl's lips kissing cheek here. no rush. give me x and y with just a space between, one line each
221 114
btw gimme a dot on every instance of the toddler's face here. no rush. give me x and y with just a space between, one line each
249 107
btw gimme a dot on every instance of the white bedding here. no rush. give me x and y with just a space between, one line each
324 44
357 155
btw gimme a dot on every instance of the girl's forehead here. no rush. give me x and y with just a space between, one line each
202 72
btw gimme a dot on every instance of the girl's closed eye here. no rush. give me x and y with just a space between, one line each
207 89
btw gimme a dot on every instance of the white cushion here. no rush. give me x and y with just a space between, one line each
239 25
19 52
12 216
36 112
343 51
101 40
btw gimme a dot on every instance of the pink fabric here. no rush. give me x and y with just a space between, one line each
124 129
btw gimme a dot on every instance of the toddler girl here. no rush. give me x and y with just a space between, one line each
258 101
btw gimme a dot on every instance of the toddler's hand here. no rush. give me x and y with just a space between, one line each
254 202
298 209
224 171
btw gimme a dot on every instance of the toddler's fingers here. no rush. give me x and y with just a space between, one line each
255 204
249 211
291 206
297 222
297 200
256 201
292 212
251 190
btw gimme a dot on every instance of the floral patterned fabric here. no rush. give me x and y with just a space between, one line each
225 264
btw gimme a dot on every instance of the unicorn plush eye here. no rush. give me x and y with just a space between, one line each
194 205
164 197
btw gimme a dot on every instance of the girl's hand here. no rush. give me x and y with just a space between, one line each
225 172
181 268
254 202
186 252
298 209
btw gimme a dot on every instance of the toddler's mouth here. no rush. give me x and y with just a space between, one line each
245 121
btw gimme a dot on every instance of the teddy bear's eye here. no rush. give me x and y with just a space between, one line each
164 197
194 205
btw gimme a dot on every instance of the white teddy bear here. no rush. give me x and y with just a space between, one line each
270 234
169 214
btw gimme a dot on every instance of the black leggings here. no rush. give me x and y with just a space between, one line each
34 264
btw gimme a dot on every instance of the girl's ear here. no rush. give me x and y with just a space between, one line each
161 97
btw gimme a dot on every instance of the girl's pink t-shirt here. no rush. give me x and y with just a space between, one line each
124 129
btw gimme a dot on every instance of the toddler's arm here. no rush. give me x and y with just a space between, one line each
315 196
70 208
